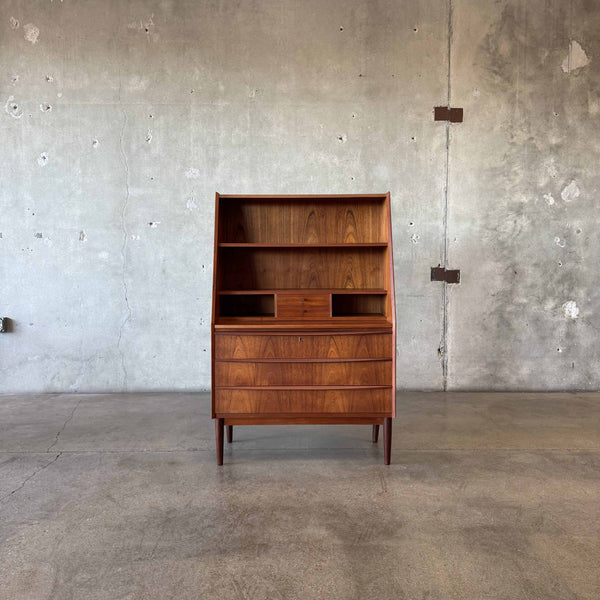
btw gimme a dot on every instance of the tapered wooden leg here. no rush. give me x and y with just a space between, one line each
229 433
387 440
375 433
219 440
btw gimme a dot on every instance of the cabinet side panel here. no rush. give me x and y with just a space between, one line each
391 312
215 305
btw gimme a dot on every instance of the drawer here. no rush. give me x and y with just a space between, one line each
303 306
347 402
228 346
303 373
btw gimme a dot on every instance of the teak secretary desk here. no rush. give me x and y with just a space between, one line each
303 318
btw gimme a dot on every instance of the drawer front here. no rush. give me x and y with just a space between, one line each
231 374
347 402
228 346
303 306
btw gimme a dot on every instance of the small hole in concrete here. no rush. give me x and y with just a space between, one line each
415 30
341 29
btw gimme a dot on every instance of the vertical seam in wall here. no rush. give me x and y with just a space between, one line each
124 245
444 342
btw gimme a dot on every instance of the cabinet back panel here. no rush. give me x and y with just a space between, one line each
293 268
329 221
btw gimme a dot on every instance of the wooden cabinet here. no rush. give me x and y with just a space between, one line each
303 325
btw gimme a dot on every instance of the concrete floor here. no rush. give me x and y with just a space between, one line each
489 496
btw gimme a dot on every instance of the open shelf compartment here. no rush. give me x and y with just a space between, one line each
247 305
358 305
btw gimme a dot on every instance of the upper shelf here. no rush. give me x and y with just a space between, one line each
302 222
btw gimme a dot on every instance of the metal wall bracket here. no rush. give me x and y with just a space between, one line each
441 274
445 113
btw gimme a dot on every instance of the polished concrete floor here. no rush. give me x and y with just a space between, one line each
489 496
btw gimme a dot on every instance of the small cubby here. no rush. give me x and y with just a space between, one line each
358 305
247 305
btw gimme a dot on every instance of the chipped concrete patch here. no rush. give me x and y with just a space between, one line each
153 224
45 107
192 173
95 143
43 159
82 236
560 243
149 136
570 309
549 198
191 204
13 108
14 23
31 33
570 192
414 238
146 26
576 58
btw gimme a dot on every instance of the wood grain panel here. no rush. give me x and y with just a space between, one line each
231 374
303 305
343 221
301 268
347 402
307 346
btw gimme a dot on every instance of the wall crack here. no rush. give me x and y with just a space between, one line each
127 317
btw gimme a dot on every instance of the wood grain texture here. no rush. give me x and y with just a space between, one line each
303 419
341 221
303 306
303 326
344 402
336 325
230 374
302 268
303 346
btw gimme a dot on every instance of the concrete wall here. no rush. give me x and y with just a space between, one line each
122 118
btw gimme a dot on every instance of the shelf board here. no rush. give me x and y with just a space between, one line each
260 245
305 291
274 324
